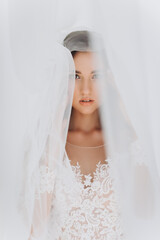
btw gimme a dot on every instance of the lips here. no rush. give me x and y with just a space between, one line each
86 101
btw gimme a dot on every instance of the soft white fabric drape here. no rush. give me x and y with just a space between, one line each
37 83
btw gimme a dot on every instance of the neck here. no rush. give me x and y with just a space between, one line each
84 122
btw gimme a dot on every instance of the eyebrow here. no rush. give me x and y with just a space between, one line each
95 71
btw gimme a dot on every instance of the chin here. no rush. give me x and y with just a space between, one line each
86 111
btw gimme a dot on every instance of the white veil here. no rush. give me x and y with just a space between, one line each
37 89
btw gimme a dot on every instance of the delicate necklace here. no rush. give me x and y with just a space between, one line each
83 146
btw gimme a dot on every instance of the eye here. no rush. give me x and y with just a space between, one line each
77 76
95 76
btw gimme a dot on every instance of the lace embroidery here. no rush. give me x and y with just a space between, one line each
95 214
85 208
46 181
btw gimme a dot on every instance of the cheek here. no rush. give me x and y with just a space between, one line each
75 95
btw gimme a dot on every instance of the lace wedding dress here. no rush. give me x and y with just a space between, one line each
83 207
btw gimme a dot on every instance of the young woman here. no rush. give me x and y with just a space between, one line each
92 181
67 168
96 216
82 203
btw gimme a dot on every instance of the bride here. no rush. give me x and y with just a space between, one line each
77 163
93 218
84 174
82 203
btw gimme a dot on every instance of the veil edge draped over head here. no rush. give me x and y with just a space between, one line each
41 80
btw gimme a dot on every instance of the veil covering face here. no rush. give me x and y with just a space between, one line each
37 103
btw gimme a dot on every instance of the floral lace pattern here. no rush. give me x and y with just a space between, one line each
95 214
46 181
83 207
86 207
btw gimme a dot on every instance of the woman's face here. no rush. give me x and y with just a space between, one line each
85 99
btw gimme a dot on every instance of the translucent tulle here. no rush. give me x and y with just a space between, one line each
39 188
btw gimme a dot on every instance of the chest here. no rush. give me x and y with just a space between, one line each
85 205
86 157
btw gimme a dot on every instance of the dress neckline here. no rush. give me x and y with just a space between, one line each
75 169
85 146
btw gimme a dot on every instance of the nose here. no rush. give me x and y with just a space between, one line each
86 87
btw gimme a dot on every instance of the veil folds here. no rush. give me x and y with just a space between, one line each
37 92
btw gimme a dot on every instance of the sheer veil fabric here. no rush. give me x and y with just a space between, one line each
38 79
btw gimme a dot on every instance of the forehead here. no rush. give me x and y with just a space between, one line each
86 61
